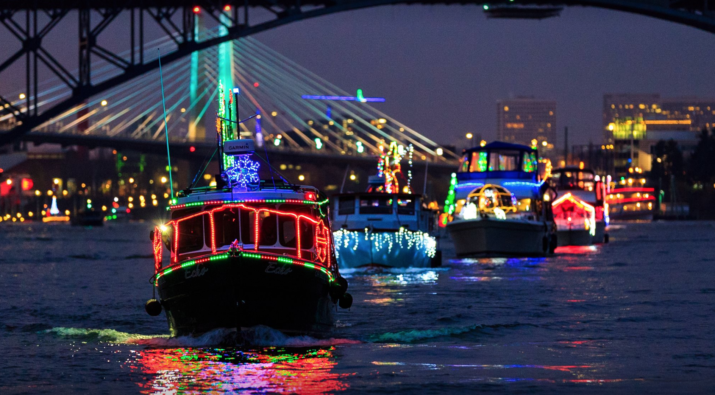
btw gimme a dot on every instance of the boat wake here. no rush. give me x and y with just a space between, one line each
259 336
416 335
101 335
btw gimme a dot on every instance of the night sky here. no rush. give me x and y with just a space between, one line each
442 68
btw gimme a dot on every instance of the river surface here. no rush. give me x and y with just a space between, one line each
633 316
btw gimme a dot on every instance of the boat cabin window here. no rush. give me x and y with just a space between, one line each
191 234
575 179
346 205
375 205
478 163
529 163
464 164
406 206
268 228
503 160
227 227
524 205
286 226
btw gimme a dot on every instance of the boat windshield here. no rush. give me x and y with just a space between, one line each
499 160
375 205
564 179
489 200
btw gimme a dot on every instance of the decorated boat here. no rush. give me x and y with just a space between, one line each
581 211
246 252
499 203
386 226
630 199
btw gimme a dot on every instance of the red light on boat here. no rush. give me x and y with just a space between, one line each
310 196
227 7
197 10
27 184
129 211
192 149
256 84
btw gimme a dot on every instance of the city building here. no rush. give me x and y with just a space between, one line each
694 113
626 106
528 121
634 123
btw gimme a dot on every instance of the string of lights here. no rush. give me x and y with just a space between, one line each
379 241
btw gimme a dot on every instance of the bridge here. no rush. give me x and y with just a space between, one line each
101 69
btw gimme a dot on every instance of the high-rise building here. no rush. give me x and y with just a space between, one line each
634 123
621 107
694 113
525 119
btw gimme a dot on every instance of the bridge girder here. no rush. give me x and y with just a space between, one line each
695 13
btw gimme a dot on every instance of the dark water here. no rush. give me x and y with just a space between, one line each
634 316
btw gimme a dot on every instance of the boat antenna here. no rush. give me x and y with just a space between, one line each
344 177
204 166
424 187
166 127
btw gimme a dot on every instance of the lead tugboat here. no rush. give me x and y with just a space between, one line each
246 252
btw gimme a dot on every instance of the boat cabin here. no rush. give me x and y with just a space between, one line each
573 178
499 160
284 223
357 211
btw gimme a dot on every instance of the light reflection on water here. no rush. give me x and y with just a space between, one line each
217 370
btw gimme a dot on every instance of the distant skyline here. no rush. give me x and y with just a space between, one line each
443 68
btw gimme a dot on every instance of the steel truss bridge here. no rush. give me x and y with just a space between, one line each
102 72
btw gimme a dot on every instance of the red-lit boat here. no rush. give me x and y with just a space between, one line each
250 252
580 212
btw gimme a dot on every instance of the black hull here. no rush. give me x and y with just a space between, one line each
239 292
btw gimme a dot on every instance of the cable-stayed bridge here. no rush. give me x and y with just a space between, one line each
272 91
101 68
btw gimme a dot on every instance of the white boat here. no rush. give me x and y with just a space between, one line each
490 225
377 229
383 227
499 205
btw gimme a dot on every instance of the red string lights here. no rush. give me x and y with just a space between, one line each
321 244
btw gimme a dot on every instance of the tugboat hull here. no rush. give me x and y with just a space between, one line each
237 292
488 237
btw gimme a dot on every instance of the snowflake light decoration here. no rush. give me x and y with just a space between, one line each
244 172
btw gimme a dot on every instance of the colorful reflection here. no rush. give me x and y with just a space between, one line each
217 370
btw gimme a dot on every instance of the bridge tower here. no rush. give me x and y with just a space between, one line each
225 55
197 129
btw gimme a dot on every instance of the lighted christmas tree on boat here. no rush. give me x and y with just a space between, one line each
247 252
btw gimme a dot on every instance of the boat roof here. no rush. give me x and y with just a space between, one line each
265 193
501 145
379 194
574 169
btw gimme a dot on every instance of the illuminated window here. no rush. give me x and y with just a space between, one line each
529 162
478 163
375 206
503 161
